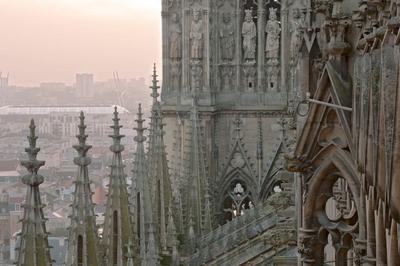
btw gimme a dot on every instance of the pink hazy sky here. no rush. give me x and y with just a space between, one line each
51 40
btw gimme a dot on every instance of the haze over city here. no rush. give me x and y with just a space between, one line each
48 40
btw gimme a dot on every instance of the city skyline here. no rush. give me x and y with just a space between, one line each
50 41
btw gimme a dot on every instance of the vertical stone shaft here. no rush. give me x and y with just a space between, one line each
393 251
261 46
371 247
380 236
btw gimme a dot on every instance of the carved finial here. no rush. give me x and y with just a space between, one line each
82 148
32 137
140 129
32 164
82 127
155 87
117 147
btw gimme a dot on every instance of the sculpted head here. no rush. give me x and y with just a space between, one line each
175 17
226 18
248 16
272 13
196 15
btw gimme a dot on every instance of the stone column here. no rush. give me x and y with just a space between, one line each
165 49
185 48
393 251
238 48
361 242
261 49
206 67
380 236
370 259
284 48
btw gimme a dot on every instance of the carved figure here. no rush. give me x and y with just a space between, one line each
296 32
273 30
175 37
249 33
226 35
196 36
175 75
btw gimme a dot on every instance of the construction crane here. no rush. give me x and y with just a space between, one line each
120 90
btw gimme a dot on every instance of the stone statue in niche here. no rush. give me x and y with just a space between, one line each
273 30
196 36
227 37
249 33
226 77
296 34
175 75
250 77
175 37
196 74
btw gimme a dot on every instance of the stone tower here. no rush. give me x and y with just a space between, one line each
34 249
232 57
83 242
118 231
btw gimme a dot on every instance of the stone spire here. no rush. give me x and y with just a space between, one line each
118 229
160 183
34 249
141 196
83 245
196 189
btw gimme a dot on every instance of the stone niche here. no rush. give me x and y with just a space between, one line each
226 52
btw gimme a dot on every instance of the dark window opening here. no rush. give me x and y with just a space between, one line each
80 250
115 238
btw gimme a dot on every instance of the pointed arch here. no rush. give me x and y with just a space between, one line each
330 162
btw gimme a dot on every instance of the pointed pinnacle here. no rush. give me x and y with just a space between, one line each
155 86
82 127
32 136
82 148
140 129
116 136
32 164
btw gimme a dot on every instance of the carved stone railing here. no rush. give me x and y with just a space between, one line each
264 219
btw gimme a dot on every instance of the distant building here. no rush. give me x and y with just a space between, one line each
84 84
9 171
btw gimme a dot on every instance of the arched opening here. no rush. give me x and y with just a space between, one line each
115 238
80 250
237 199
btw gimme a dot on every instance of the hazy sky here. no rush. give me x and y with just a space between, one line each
51 40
